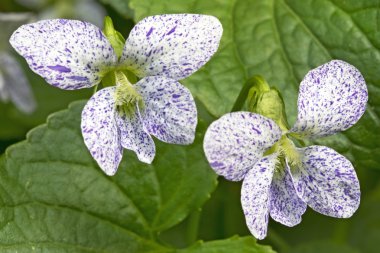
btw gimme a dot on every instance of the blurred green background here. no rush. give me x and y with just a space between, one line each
280 40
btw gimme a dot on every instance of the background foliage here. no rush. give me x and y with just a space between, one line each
54 198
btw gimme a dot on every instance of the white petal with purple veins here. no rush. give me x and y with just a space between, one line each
255 194
236 141
285 205
69 54
100 132
16 86
169 113
332 98
173 45
327 182
134 137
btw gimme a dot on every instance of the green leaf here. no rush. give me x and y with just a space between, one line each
282 40
232 245
54 197
120 6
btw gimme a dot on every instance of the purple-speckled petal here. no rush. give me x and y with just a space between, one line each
100 131
134 137
69 54
174 45
15 85
285 205
255 194
327 182
170 113
236 141
332 98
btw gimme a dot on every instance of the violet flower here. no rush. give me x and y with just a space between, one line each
280 179
160 50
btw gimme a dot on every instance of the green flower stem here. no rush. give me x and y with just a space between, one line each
193 227
255 81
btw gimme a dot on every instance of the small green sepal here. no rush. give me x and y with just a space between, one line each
114 37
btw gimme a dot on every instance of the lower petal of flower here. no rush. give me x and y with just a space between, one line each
327 182
255 194
100 132
133 135
169 111
285 205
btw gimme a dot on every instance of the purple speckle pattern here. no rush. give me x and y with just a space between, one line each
169 113
236 141
69 54
332 98
327 182
255 194
174 45
100 131
134 137
285 205
14 85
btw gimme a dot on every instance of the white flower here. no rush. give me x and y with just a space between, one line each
280 179
160 50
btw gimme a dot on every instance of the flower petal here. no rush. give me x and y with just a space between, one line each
174 45
327 182
236 141
69 54
332 98
170 113
285 205
134 137
255 193
16 87
100 132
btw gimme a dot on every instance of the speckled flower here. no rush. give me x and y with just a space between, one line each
280 179
159 51
14 86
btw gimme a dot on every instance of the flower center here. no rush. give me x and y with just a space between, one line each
286 151
126 97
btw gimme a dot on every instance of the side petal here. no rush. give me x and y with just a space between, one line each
173 45
169 113
327 182
255 193
69 54
100 132
236 141
16 87
285 205
134 137
332 98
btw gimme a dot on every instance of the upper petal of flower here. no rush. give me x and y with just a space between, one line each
327 182
169 113
255 193
100 132
236 141
285 205
15 84
332 98
69 54
174 45
133 136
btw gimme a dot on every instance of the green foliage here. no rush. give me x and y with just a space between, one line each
54 197
282 40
